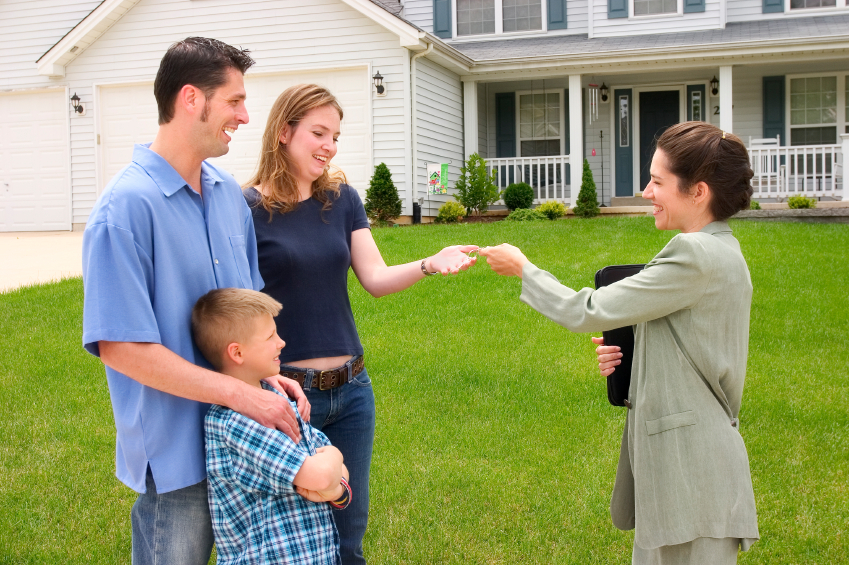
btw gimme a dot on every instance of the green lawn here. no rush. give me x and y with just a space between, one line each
495 442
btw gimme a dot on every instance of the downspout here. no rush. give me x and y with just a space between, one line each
413 118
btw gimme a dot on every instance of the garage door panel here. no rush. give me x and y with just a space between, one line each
34 162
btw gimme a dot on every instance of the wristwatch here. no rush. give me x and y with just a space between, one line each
425 271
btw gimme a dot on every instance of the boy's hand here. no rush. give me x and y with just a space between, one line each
328 495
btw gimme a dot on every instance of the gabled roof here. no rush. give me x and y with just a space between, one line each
823 30
385 13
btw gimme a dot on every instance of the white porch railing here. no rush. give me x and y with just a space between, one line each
549 176
803 170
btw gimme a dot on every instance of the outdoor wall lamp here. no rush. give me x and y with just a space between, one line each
378 84
603 91
78 106
714 86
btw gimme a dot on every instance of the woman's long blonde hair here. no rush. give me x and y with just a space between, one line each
274 171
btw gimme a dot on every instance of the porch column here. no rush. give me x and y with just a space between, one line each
844 138
576 138
726 101
470 118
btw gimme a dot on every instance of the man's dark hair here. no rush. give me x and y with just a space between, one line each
200 62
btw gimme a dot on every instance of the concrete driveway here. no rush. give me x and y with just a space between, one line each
37 257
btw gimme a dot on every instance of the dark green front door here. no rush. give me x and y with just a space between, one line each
658 111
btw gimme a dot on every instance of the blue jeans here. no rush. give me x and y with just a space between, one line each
346 416
172 528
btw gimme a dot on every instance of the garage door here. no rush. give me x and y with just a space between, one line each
34 181
128 115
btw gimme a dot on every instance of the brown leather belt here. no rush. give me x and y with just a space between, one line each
331 378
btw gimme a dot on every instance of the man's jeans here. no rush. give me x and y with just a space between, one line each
346 416
172 528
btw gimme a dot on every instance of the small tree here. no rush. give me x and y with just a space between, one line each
382 202
476 188
587 205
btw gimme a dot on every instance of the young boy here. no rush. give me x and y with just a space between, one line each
267 494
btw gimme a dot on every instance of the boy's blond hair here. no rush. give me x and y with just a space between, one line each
226 315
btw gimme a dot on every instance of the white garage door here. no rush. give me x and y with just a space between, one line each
35 191
128 115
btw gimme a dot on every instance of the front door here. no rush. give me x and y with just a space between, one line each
658 111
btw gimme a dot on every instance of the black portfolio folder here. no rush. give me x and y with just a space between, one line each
619 381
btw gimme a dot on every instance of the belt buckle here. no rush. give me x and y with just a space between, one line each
321 381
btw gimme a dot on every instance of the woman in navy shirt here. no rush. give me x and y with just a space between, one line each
311 227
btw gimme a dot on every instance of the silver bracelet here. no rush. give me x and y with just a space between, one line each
425 271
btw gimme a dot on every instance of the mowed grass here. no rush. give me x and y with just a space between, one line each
495 442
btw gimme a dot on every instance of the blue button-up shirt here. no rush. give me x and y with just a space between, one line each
257 516
151 248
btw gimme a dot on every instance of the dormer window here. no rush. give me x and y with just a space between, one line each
802 4
654 7
480 17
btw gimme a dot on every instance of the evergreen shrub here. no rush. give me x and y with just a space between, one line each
476 188
552 209
587 205
382 201
755 205
525 215
798 202
518 195
450 212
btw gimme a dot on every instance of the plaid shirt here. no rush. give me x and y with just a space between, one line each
257 516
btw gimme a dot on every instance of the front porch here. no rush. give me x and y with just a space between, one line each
539 130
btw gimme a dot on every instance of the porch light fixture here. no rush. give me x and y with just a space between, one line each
603 91
378 84
714 86
75 102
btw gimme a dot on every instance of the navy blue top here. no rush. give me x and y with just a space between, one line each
151 248
304 257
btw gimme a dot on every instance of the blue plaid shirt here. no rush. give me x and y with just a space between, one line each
257 516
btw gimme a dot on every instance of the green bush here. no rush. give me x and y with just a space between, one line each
755 205
525 215
450 212
587 205
797 202
382 202
552 210
518 195
476 188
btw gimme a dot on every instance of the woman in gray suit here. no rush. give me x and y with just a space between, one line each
683 480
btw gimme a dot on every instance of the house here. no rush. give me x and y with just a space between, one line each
532 85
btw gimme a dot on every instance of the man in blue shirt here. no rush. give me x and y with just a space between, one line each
167 229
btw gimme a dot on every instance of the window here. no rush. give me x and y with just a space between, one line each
653 7
539 124
696 110
475 17
802 4
480 17
522 15
624 133
813 110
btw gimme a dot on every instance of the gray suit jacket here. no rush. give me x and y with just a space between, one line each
683 469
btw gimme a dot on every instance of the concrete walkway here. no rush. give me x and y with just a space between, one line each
39 257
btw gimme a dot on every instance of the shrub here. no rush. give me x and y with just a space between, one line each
552 210
476 188
796 202
382 202
525 215
755 205
518 195
450 212
587 205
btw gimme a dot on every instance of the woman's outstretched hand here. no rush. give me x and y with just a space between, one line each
452 260
608 356
505 259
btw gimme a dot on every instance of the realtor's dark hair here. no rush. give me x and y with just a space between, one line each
200 62
698 151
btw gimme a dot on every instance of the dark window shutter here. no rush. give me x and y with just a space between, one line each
692 6
617 9
505 124
773 107
442 18
556 14
771 6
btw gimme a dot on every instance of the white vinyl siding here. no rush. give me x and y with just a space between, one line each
662 23
439 128
282 36
29 28
419 13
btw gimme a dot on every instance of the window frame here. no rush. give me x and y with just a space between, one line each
561 105
787 10
677 13
499 23
841 123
